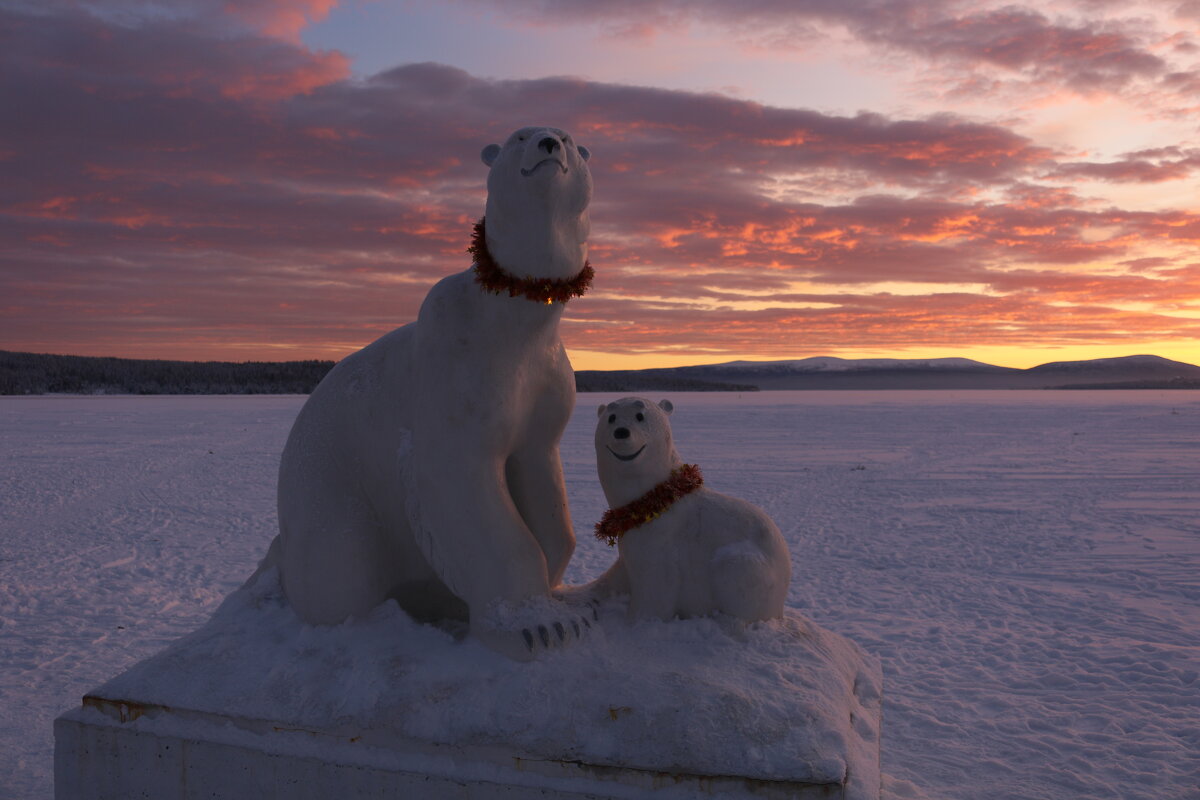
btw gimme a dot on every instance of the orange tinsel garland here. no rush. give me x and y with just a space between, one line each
616 522
496 279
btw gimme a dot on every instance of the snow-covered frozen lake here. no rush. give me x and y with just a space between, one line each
1025 564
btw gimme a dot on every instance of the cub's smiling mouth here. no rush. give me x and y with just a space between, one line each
534 168
628 457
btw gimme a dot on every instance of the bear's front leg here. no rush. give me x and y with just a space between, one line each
653 564
535 482
478 543
472 533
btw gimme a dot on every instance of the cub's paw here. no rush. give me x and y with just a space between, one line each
521 631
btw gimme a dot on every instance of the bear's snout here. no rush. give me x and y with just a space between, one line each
544 148
621 433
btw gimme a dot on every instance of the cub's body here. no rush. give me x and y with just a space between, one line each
707 552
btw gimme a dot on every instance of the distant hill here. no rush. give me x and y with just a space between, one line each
1130 369
35 373
1130 372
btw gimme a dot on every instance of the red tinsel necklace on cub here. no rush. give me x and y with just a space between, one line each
496 279
616 522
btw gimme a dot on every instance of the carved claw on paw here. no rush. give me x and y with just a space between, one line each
560 625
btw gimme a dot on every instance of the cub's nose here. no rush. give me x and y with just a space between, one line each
549 144
621 433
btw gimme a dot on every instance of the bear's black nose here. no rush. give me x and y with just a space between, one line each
549 145
621 433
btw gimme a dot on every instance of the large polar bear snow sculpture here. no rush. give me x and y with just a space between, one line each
684 550
425 467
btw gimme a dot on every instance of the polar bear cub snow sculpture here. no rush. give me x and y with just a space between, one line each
704 552
425 467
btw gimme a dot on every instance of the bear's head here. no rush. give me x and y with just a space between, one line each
634 448
539 188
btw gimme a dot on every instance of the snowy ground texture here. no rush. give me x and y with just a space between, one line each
1025 564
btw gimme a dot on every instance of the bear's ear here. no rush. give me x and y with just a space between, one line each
666 405
602 409
584 153
490 153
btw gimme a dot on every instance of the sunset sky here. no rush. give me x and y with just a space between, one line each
274 180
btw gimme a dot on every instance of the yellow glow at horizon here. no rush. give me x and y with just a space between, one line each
1023 357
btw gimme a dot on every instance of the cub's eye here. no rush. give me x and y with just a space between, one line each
641 417
612 418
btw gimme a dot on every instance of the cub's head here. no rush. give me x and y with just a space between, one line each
634 449
537 165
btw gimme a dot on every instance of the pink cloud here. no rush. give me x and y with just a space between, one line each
282 18
171 59
1084 57
158 200
1078 51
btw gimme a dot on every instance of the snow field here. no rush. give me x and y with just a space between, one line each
1025 564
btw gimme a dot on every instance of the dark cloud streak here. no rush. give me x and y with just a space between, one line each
1144 166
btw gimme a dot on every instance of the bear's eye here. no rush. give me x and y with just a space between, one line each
641 417
612 418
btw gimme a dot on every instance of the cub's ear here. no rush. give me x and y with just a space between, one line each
490 153
584 153
666 405
602 409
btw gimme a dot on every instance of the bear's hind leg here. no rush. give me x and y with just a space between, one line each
337 563
745 585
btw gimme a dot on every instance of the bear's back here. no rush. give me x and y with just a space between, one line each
725 520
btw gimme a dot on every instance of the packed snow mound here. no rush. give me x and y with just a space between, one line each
782 700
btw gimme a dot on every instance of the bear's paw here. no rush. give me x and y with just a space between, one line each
523 631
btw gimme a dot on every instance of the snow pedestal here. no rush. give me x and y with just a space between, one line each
255 704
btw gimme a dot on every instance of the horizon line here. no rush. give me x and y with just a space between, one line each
632 369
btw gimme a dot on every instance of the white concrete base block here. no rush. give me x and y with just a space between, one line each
97 757
257 705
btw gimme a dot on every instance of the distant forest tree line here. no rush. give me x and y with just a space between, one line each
36 373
